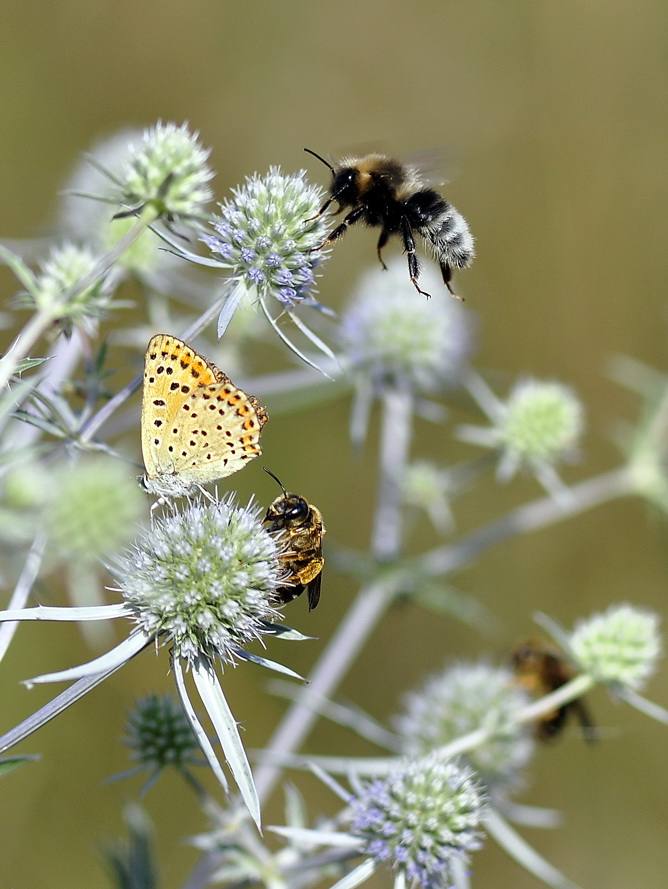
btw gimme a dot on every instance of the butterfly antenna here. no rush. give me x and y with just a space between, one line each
269 472
326 163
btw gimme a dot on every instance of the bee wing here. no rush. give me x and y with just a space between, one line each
314 591
435 165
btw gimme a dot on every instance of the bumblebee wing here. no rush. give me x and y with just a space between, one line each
435 166
314 591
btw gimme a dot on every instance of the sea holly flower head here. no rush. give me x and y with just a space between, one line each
619 647
86 214
57 292
393 336
420 817
204 578
167 170
159 734
268 235
461 699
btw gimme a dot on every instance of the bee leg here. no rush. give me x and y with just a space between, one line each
382 241
409 249
340 230
322 210
446 270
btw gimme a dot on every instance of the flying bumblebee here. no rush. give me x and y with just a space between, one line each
395 197
302 524
541 669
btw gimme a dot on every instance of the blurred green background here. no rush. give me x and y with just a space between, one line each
557 115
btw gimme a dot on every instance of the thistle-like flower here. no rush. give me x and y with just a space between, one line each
168 172
461 699
85 213
420 818
619 647
538 425
202 579
91 508
392 336
56 291
268 235
159 735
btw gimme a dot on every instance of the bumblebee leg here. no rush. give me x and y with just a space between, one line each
409 249
446 270
322 210
382 241
340 230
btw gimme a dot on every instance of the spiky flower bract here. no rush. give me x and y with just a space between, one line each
56 290
619 647
167 170
268 235
392 335
204 577
420 817
461 699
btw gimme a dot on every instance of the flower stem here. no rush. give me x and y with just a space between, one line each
372 601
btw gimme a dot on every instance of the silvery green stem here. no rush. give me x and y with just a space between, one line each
371 602
529 517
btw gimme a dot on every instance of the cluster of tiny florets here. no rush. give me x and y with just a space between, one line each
56 289
92 508
204 578
619 647
419 817
541 423
159 734
268 235
395 336
86 214
461 699
167 170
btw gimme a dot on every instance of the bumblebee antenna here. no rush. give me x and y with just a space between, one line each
269 472
326 163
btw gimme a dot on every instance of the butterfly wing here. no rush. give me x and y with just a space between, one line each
197 426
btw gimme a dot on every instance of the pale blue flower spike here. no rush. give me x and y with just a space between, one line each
227 730
315 339
289 343
180 250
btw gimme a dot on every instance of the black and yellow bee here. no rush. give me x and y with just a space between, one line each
302 523
540 669
395 197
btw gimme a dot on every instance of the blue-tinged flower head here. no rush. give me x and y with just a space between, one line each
86 214
268 235
204 577
619 647
461 699
159 734
167 170
420 817
55 289
392 335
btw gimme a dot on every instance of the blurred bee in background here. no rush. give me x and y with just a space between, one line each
395 197
541 669
302 524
